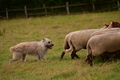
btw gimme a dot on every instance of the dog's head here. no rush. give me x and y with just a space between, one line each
48 43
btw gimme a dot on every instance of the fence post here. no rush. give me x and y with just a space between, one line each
45 10
67 8
118 5
93 5
25 11
6 13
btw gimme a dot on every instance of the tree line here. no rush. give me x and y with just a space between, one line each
16 8
11 4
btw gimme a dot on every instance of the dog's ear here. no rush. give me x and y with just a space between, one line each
43 39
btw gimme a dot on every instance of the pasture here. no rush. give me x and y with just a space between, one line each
54 27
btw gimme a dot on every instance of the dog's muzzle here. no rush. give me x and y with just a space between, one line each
50 46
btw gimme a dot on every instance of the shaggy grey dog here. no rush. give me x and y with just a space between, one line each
38 49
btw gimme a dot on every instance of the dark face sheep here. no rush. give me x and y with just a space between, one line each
112 25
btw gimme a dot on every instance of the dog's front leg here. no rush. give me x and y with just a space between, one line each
42 56
24 57
38 58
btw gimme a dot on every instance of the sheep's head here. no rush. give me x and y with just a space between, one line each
114 25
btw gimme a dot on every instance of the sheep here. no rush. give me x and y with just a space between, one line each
99 32
103 31
77 40
104 44
113 25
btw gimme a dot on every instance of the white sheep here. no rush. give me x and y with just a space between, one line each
77 40
104 44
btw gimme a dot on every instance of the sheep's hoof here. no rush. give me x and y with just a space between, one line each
91 65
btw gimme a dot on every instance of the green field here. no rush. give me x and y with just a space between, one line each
54 27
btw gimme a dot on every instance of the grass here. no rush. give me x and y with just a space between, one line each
55 27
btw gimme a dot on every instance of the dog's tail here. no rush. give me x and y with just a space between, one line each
12 49
15 48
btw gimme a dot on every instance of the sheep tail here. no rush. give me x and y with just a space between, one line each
67 46
70 47
89 53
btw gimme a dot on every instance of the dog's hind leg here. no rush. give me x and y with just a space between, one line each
24 57
13 60
38 57
16 56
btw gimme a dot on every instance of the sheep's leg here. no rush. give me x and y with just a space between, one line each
104 58
73 54
63 53
86 59
77 55
89 59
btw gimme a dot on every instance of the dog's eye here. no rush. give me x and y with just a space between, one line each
48 42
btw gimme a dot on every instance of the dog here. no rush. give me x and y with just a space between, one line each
38 49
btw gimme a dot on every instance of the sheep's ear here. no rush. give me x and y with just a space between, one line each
113 22
43 39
